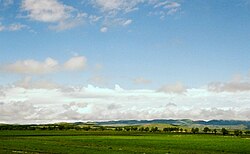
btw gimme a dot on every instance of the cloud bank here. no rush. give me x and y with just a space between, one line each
27 101
233 86
178 88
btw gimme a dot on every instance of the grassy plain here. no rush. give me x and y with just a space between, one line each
111 142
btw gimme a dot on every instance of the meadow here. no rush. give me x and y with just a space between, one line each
112 142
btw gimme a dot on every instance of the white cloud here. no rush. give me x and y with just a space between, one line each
164 8
114 12
47 66
116 6
115 22
166 4
71 23
46 10
94 18
108 5
75 63
94 103
60 16
16 27
174 88
13 27
127 22
238 83
172 11
172 5
30 66
53 11
159 4
229 86
104 29
16 110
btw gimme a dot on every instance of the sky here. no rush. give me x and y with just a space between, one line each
98 60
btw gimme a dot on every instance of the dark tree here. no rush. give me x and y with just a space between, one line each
134 128
195 130
127 128
141 129
237 132
214 131
154 129
88 128
206 129
224 131
165 129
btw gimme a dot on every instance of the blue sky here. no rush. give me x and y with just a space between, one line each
167 47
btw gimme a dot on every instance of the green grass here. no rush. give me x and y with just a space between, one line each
118 142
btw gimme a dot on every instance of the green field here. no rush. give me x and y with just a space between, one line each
99 142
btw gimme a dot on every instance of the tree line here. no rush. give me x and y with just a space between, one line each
205 130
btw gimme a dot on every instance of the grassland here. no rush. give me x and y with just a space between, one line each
101 142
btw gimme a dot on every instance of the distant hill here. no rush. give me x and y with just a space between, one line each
182 122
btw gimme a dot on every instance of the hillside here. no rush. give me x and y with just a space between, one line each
182 122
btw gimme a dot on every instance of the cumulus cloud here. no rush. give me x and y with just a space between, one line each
46 10
229 86
20 104
174 88
75 63
16 110
238 83
53 11
49 65
31 66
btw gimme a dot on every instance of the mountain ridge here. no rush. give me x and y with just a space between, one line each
180 122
